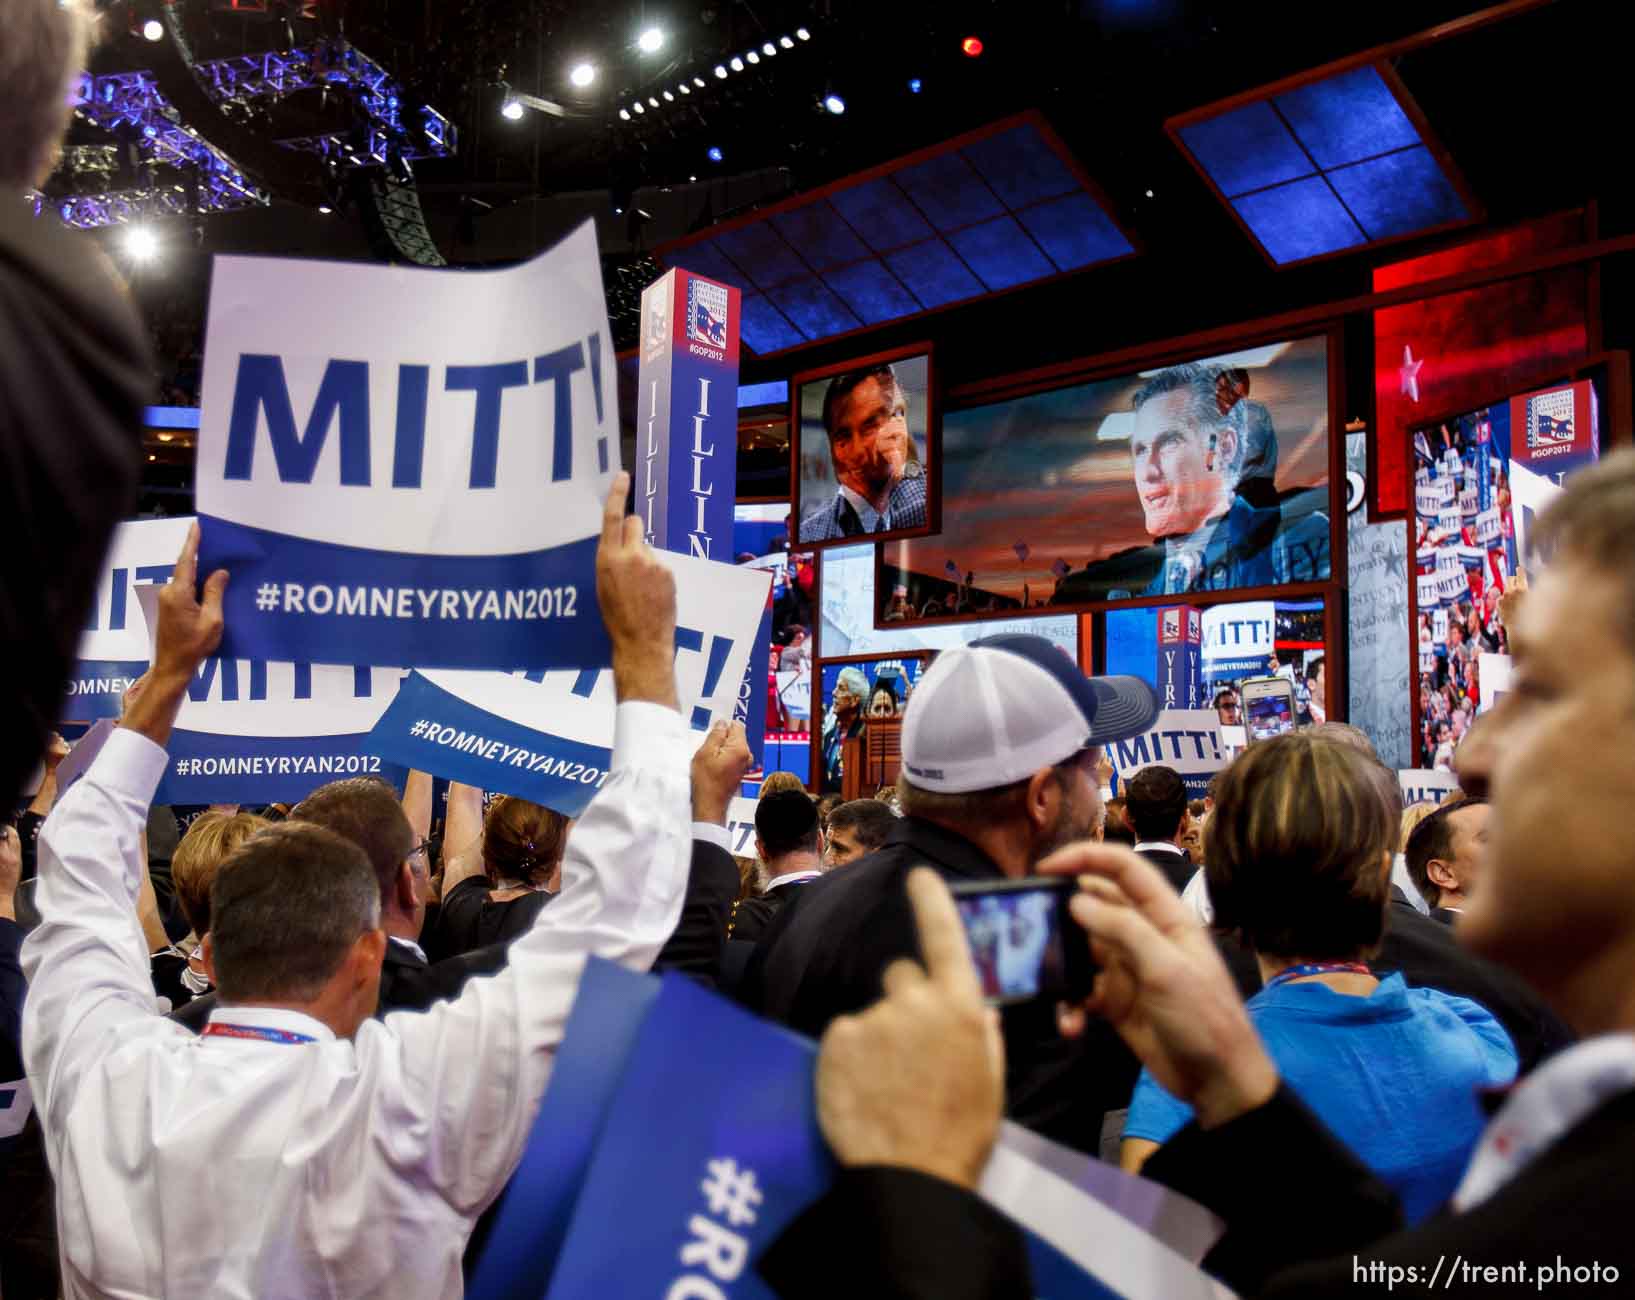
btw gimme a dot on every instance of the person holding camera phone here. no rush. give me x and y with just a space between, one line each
1001 740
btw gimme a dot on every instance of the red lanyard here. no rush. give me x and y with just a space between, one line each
266 1035
1318 968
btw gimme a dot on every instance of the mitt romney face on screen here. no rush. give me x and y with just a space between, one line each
1183 452
868 436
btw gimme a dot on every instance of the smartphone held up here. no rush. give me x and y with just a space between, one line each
1023 941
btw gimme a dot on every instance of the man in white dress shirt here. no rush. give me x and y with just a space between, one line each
299 1149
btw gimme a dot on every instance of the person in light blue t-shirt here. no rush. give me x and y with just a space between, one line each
1298 854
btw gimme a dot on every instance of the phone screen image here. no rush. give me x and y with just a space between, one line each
1016 942
1269 715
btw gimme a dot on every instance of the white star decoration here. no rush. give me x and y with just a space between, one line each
1409 374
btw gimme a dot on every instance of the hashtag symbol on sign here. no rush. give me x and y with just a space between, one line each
419 728
181 767
732 1192
266 596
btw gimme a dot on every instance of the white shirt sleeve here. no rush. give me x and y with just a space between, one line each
87 963
471 1070
713 833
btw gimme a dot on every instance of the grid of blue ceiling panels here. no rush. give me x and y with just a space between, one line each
974 219
1330 166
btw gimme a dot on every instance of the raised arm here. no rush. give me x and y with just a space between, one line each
417 803
488 1053
87 962
462 835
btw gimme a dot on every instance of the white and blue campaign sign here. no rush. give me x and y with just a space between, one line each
403 465
548 735
1187 740
743 1154
1238 639
255 732
1494 674
113 649
741 825
1421 785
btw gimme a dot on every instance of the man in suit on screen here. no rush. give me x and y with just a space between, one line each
882 484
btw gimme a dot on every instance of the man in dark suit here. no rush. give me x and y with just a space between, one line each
1545 1198
1446 854
1155 799
790 847
882 485
1000 743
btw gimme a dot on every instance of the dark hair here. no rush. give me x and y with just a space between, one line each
1296 848
825 806
286 907
786 822
883 684
869 821
366 811
523 840
1314 667
841 387
1156 799
1432 838
1226 696
1115 827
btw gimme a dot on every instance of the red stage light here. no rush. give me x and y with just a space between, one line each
972 46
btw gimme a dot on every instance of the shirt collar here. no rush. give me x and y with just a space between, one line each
792 878
296 1022
867 515
409 945
1543 1107
1163 846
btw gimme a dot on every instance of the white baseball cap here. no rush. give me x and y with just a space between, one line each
996 711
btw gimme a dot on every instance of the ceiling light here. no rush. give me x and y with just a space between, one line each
153 30
583 74
721 70
835 104
141 244
715 153
1149 194
753 57
650 40
669 98
801 34
736 64
769 49
152 458
692 180
639 106
786 42
624 114
685 89
699 82
325 208
165 437
971 46
512 110
652 102
914 84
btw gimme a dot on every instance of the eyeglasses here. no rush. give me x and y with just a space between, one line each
424 847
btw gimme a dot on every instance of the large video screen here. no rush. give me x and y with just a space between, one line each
1479 478
1209 476
865 451
854 695
760 540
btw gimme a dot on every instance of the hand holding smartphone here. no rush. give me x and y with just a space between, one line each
1268 707
1023 941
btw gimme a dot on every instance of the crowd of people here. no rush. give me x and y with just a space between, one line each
298 1051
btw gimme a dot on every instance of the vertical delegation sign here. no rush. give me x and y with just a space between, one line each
1180 657
685 478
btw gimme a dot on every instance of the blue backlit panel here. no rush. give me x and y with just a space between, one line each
1330 166
982 213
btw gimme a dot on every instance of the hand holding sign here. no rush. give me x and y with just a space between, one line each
718 771
1162 984
189 631
638 599
917 1080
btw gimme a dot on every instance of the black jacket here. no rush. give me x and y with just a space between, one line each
826 950
1175 867
74 373
752 916
1304 1221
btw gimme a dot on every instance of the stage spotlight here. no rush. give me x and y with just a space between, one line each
801 34
835 104
715 154
583 74
153 30
721 71
624 114
639 106
650 40
669 98
914 85
141 244
512 110
325 208
692 180
753 57
786 42
699 82
652 102
971 47
685 89
1149 194
735 63
769 49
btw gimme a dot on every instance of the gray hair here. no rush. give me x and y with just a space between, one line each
1199 383
41 53
285 909
855 683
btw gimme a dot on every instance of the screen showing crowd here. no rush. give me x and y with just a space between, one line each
1206 476
760 540
863 449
